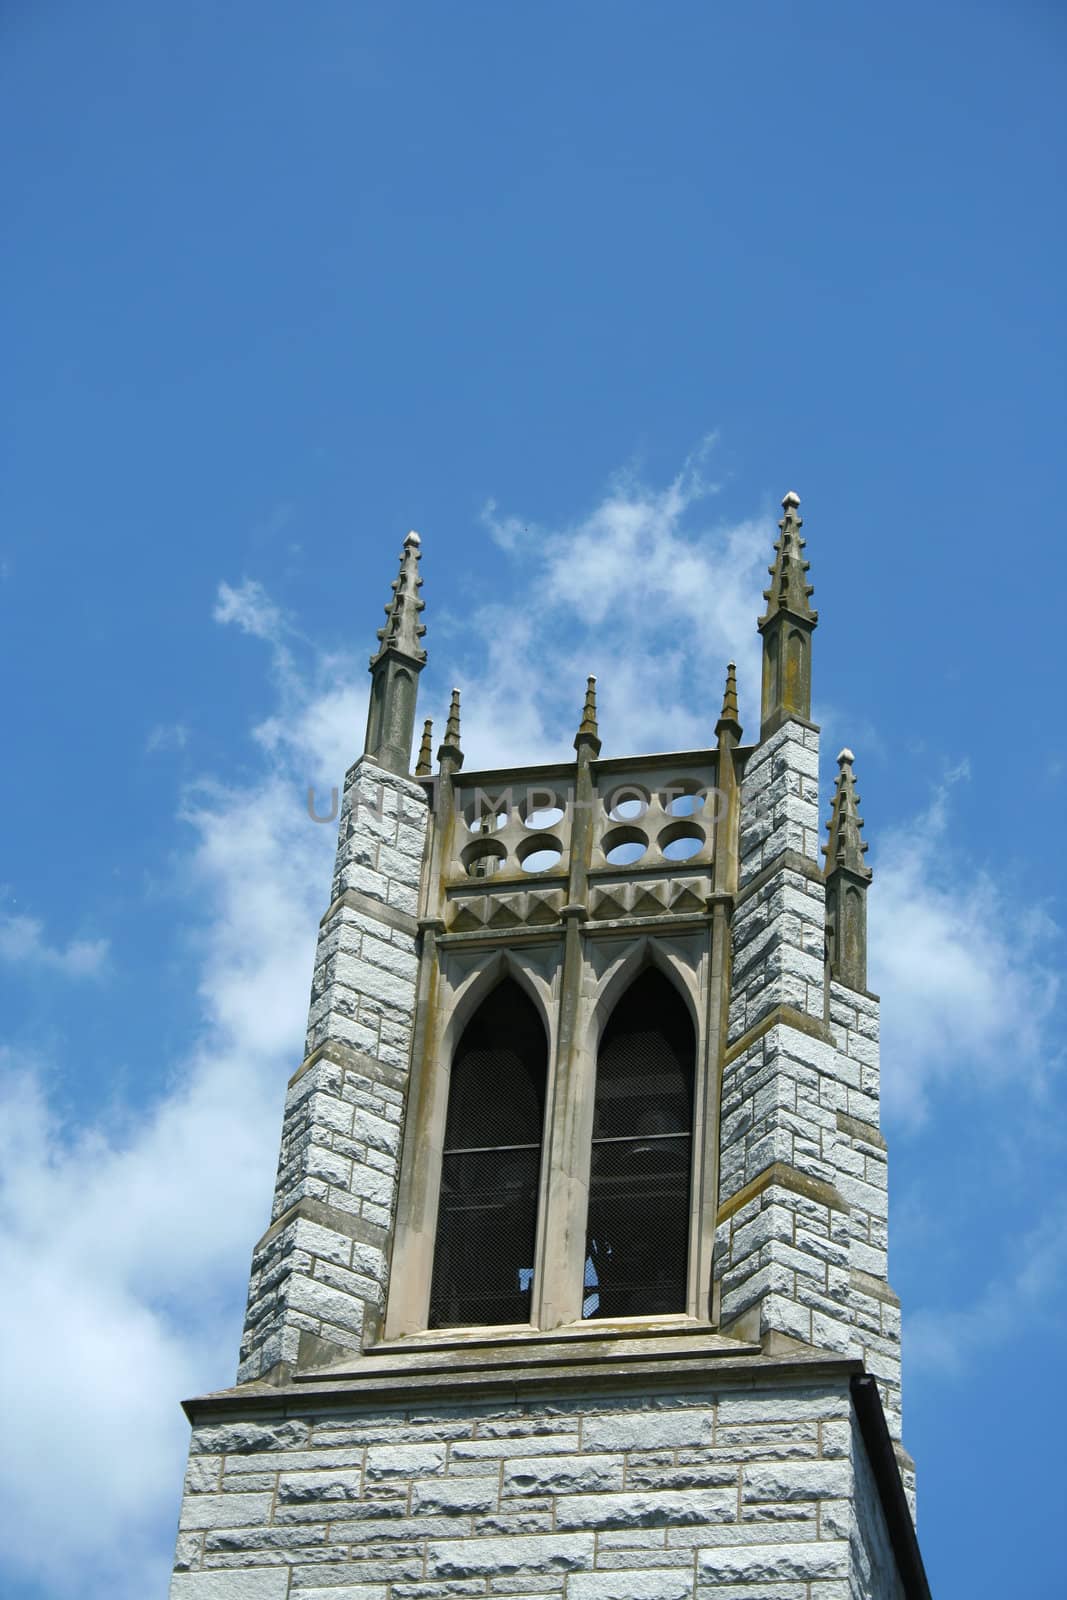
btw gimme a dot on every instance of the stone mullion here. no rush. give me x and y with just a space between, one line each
703 1288
563 1214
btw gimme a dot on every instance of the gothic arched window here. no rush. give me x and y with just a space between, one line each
637 1242
487 1218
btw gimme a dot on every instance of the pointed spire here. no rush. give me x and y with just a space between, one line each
847 880
790 589
845 847
588 732
403 630
729 717
424 765
450 747
787 626
395 668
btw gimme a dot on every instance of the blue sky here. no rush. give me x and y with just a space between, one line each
578 291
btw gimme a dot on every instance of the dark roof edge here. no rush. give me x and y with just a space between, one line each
882 1456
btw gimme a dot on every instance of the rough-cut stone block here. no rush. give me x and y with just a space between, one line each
265 1583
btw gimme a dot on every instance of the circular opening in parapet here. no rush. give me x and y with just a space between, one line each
681 840
486 814
539 853
623 846
683 797
541 808
483 858
626 803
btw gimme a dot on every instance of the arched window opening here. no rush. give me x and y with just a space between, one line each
487 1217
637 1242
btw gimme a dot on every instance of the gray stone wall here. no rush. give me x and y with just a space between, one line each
863 1180
319 1274
733 1492
802 1246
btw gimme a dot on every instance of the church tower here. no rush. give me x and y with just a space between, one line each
576 1280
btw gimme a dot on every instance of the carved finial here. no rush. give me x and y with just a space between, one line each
845 848
729 717
588 732
403 630
789 590
424 765
450 748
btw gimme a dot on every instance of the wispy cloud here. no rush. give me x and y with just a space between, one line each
969 977
250 607
23 943
647 590
167 736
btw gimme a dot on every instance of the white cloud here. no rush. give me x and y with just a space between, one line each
646 591
129 1238
23 943
250 607
968 975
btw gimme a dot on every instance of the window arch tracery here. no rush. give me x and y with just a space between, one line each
483 1262
637 1238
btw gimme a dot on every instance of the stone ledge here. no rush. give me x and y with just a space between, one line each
311 1210
357 1387
782 1176
860 1130
355 900
779 718
785 861
778 1017
876 1288
344 1056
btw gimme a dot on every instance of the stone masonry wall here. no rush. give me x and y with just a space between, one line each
863 1180
782 1250
319 1273
802 1243
732 1492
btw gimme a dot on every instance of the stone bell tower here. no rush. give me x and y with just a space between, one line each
576 1279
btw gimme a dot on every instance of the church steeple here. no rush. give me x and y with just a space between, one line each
395 669
847 878
787 626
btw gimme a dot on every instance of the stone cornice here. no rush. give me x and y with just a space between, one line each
614 1367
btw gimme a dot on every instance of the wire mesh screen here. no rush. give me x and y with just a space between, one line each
487 1217
637 1244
